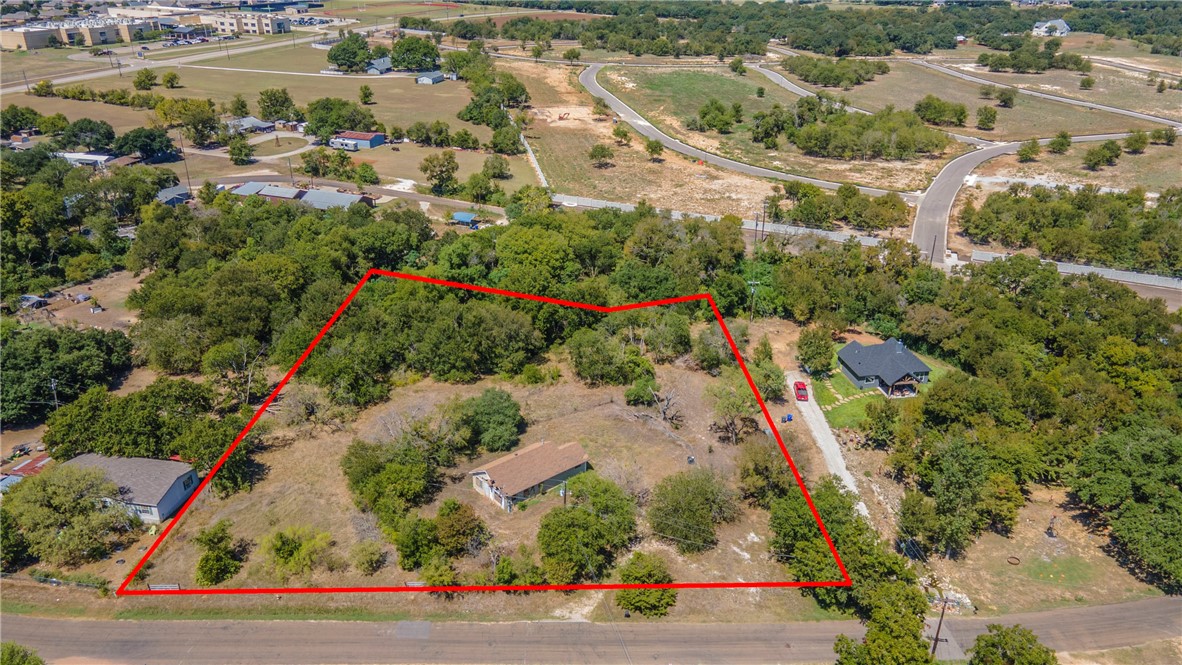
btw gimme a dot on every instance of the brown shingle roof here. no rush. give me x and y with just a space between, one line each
532 465
143 481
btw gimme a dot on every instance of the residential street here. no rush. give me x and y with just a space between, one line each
325 642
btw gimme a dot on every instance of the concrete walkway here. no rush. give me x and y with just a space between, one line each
815 419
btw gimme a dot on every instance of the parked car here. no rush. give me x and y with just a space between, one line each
801 390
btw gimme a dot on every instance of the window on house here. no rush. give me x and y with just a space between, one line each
188 482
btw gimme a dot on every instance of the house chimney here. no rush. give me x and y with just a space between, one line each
898 346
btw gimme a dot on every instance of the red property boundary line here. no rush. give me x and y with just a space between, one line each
843 582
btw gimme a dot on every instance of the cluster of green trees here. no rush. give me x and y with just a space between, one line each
821 126
935 111
150 143
701 28
61 222
47 367
839 73
1025 57
85 93
392 477
714 115
62 517
171 417
1120 230
432 543
321 162
581 541
353 53
817 208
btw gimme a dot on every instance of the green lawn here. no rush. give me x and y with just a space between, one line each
852 413
842 385
41 63
822 394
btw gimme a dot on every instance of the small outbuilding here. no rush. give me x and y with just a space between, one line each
150 489
364 140
529 472
430 78
890 366
172 196
464 219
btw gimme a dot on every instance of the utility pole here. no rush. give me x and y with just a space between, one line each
290 173
564 494
26 78
940 624
181 137
751 285
53 387
932 254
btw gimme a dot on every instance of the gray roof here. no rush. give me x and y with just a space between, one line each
889 361
9 481
1057 23
324 199
280 192
381 64
179 192
435 75
142 481
250 122
248 188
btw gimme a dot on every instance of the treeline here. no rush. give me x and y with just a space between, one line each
816 208
874 31
821 126
171 417
1025 57
43 368
47 203
840 73
1078 227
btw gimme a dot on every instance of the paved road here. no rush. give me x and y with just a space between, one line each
930 231
324 642
811 412
645 128
1054 98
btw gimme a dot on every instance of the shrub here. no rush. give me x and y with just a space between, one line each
686 507
646 569
368 557
297 550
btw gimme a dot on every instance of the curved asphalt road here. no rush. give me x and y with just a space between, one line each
645 128
338 642
930 231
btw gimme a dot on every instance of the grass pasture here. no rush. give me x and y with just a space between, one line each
906 84
669 97
397 101
1156 169
16 66
1127 51
1113 87
279 146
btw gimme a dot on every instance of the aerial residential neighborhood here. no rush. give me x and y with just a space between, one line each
584 331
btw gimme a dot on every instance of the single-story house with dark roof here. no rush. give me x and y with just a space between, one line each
890 366
171 196
379 66
528 472
363 139
150 489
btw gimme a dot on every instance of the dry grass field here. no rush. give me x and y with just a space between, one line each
1155 170
1114 86
669 97
908 83
17 66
